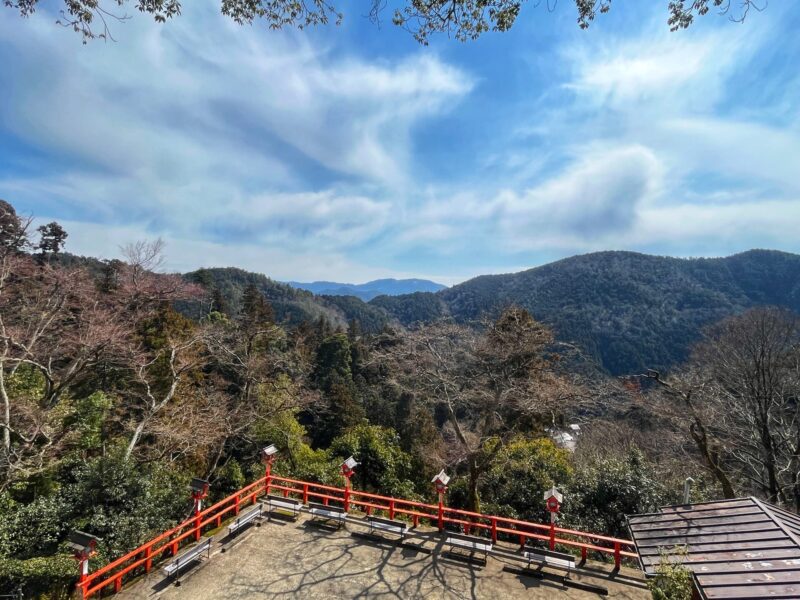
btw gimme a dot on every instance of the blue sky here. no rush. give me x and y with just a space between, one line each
353 153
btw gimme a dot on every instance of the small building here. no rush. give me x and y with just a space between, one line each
565 438
735 549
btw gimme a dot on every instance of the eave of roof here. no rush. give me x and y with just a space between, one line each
739 548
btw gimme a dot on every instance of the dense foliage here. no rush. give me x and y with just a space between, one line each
119 383
629 311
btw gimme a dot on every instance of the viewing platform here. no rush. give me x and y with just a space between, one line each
305 559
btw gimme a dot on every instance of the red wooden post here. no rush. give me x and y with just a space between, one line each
440 482
522 540
391 509
617 555
494 530
149 562
174 547
236 504
348 468
267 457
118 583
305 493
199 489
553 500
583 553
415 519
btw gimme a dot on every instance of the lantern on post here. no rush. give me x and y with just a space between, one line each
199 488
348 469
268 457
553 500
83 546
440 481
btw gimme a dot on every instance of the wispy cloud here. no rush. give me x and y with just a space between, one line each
305 156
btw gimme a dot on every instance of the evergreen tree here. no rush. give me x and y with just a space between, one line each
52 238
256 309
333 376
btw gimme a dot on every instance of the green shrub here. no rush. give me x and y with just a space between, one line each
44 578
673 581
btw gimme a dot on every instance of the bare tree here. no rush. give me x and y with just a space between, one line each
158 373
490 385
737 399
54 329
683 401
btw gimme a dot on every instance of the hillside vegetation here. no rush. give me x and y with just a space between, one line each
625 310
630 311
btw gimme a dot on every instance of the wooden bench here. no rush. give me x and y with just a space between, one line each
284 504
388 525
244 519
327 513
550 558
469 542
174 566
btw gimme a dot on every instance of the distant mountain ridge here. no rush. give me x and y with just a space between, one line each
371 289
628 311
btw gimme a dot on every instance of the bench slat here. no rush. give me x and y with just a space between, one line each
327 513
464 542
186 558
244 520
388 527
281 499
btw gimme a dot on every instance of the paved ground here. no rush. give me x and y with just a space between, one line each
304 560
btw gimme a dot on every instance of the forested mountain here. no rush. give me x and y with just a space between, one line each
292 306
371 289
631 311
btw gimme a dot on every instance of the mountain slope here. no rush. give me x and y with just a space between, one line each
291 305
631 311
371 289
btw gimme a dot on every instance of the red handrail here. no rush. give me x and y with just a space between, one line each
169 541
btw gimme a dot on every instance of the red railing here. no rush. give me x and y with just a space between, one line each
141 559
439 515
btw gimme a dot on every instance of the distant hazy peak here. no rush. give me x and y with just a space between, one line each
370 289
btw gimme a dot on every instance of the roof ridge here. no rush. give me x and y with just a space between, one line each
767 508
721 501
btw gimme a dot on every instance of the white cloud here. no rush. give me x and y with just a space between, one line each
202 129
659 70
187 254
204 97
258 149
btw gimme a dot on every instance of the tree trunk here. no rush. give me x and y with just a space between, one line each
698 432
6 414
137 434
474 501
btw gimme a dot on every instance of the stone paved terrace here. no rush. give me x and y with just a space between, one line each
283 559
